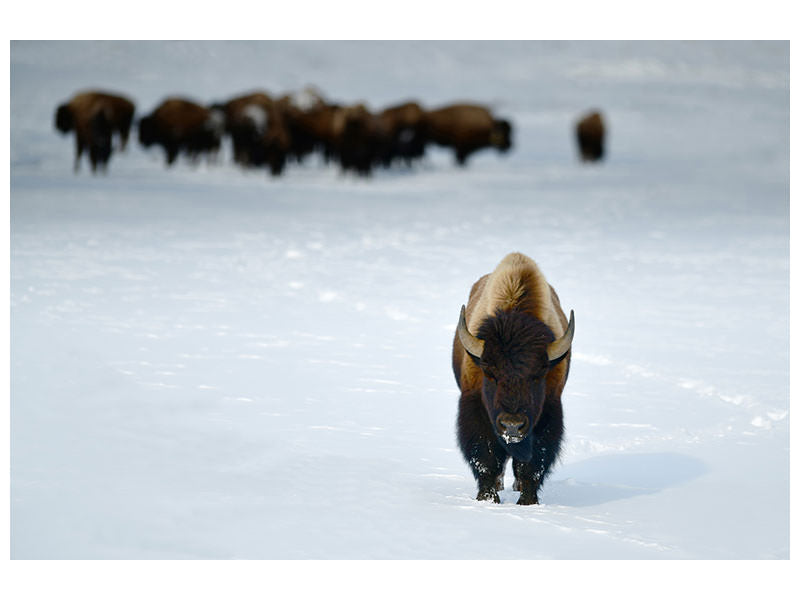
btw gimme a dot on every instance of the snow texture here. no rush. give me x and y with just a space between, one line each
212 363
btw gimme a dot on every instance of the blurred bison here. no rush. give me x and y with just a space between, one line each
511 356
404 129
467 128
590 134
359 138
309 120
95 116
313 129
258 130
182 126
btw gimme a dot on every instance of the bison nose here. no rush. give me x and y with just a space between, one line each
512 427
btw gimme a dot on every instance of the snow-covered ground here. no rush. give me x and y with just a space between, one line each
208 363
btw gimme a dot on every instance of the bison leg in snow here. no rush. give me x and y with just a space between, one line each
527 480
172 152
485 454
78 152
124 133
546 445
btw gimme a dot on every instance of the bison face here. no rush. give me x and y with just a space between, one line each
513 407
515 352
147 131
501 135
64 119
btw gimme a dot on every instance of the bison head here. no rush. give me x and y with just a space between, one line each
515 351
501 135
147 131
64 119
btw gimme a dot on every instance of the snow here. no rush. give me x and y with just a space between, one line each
211 363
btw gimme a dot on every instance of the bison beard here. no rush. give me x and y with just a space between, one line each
510 373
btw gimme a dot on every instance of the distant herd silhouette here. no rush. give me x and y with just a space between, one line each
272 132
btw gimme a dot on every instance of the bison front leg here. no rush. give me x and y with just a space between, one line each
79 146
546 446
124 132
527 480
171 150
487 461
481 449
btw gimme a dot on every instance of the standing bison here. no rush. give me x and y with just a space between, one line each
359 139
590 133
182 126
306 117
95 116
511 356
404 127
258 130
467 128
310 120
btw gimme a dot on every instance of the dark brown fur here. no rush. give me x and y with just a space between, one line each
359 138
259 131
467 128
95 116
308 119
590 133
404 127
181 126
517 314
312 128
242 124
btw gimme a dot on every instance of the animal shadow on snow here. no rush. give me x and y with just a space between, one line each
619 476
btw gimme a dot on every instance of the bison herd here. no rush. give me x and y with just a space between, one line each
271 132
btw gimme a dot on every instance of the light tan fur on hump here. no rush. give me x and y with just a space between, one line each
518 283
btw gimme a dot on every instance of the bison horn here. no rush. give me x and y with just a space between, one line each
471 344
561 346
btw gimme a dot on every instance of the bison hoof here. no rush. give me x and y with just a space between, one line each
488 495
528 499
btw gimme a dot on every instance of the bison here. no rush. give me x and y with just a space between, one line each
312 128
245 119
308 118
404 125
590 134
467 128
359 138
95 116
258 130
182 126
511 356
